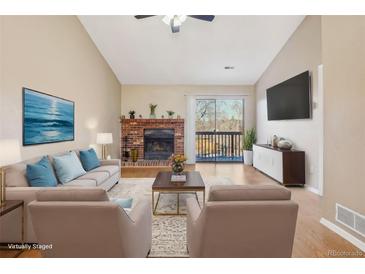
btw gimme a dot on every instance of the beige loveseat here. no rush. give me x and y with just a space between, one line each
242 221
83 223
17 188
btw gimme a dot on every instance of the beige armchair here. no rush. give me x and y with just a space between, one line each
83 223
242 221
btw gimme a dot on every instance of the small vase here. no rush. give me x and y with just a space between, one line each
134 154
274 141
131 116
177 168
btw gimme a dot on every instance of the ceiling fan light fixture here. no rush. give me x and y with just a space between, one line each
177 19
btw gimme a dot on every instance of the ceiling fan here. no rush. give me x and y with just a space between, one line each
175 21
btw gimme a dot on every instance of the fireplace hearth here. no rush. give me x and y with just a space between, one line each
158 143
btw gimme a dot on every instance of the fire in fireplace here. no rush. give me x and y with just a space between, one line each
158 143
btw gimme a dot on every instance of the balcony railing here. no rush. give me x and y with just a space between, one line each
218 146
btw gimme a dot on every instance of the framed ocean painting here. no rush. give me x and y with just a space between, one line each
46 118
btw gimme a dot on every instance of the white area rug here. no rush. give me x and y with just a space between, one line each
168 232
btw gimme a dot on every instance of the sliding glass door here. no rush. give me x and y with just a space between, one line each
219 127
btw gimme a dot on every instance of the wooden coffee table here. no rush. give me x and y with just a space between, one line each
162 184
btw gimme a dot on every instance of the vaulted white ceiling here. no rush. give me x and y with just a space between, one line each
146 52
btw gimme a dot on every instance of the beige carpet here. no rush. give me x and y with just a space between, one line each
168 232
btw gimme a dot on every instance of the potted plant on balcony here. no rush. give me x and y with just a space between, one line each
248 140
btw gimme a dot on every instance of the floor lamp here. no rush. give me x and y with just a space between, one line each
104 139
10 154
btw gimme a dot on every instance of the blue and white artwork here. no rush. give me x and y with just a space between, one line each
46 119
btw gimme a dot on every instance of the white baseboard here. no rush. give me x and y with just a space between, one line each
343 233
314 190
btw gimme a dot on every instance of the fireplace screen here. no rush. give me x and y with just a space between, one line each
158 144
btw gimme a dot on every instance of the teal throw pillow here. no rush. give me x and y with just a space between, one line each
89 159
123 202
41 174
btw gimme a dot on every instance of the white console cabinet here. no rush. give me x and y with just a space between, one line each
285 166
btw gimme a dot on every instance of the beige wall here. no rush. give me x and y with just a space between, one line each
302 52
138 98
343 51
55 55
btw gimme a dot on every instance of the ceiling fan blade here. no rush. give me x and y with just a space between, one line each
143 16
208 18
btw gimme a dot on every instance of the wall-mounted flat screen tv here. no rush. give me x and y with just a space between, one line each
290 99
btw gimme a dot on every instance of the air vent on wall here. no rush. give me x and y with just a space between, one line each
353 220
360 224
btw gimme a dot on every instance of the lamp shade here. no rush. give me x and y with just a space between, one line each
104 138
10 152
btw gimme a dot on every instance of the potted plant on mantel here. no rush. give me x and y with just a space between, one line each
248 140
131 114
170 114
153 111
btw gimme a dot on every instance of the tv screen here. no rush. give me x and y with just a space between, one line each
290 99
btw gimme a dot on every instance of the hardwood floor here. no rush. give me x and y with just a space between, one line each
312 239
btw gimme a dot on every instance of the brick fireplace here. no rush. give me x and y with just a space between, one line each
162 137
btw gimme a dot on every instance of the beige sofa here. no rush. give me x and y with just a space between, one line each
83 223
242 221
17 188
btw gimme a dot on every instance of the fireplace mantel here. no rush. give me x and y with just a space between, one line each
132 133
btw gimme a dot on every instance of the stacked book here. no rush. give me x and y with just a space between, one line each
178 178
